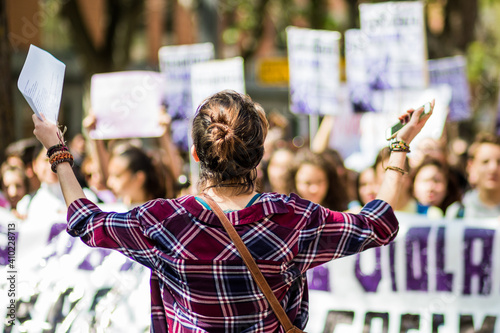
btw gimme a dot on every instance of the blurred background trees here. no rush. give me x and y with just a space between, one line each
93 36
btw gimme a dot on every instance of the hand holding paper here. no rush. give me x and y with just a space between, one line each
41 82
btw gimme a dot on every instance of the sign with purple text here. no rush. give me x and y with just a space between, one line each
175 65
440 276
313 62
395 51
126 104
453 71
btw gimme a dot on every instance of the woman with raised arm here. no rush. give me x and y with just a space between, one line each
199 282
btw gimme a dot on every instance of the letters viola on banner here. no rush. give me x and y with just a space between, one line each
438 276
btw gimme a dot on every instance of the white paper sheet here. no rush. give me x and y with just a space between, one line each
41 82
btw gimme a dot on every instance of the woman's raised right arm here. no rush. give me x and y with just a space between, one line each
49 135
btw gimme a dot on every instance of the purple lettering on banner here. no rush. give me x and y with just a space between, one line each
444 281
437 320
417 280
369 282
483 269
372 315
392 261
319 278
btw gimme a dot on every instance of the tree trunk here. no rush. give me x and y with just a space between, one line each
6 111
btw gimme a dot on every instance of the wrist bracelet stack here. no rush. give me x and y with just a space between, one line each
58 154
400 146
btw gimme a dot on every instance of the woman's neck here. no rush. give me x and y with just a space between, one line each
227 200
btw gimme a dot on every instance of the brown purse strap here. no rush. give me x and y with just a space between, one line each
252 266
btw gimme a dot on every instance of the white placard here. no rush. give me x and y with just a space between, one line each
210 77
41 83
175 65
127 104
397 53
453 71
313 60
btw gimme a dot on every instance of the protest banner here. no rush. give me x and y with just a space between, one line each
41 83
314 70
396 51
453 71
175 65
438 276
126 104
62 285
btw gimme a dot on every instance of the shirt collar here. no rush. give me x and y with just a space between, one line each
267 205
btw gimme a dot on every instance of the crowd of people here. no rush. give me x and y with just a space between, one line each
242 167
133 171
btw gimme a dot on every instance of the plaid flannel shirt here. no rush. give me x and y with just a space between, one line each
200 284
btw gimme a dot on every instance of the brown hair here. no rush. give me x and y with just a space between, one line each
336 195
479 140
229 130
453 191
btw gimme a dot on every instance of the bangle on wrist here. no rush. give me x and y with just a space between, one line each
397 169
399 146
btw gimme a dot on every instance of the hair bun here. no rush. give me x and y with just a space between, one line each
220 131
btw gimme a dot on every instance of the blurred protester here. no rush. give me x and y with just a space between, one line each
278 171
96 183
22 153
133 177
316 179
434 187
14 185
406 202
347 176
77 146
366 189
164 159
428 147
483 169
48 200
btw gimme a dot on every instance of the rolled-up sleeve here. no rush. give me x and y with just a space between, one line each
119 231
332 235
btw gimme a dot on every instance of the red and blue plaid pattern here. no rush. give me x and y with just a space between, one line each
200 284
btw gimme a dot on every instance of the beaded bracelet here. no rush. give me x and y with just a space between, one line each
399 146
60 155
54 148
59 161
394 168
